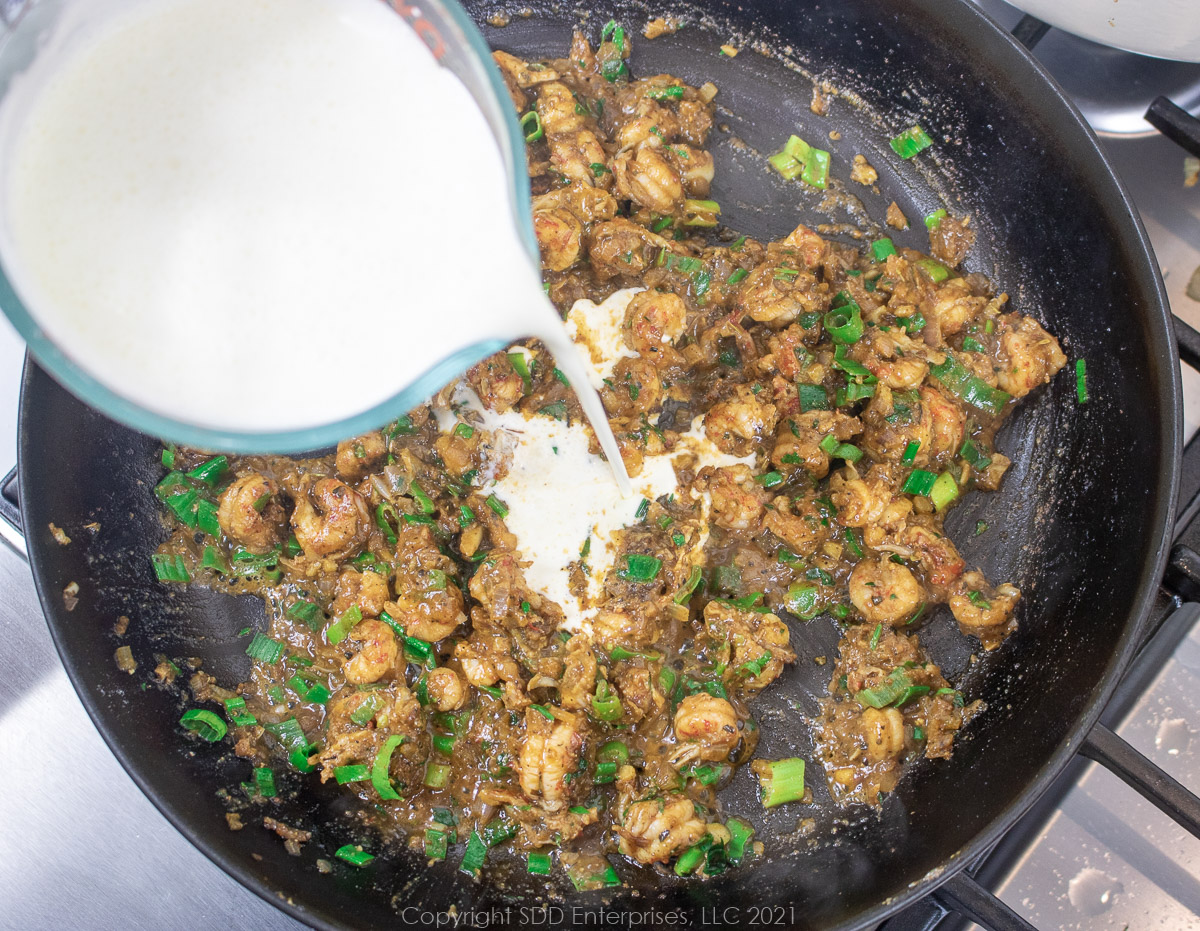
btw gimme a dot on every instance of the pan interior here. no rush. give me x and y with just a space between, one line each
1077 525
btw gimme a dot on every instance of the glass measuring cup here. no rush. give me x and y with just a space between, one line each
455 44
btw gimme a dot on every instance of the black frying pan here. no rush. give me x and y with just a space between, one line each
1080 523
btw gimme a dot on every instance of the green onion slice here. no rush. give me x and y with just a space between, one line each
910 142
356 772
1081 388
968 387
685 593
919 482
382 766
640 568
204 724
812 398
538 863
265 649
846 451
339 629
531 126
882 248
782 782
476 853
354 855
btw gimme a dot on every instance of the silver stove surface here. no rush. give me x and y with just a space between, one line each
81 847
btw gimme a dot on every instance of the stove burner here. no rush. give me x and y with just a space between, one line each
1113 88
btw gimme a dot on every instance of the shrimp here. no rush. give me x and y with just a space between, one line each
560 238
653 320
249 514
885 591
620 247
935 553
695 168
549 756
862 501
338 522
800 437
654 830
357 457
737 499
706 727
736 426
975 604
947 424
759 644
579 675
646 178
954 305
376 657
445 689
634 388
1028 356
498 385
366 590
894 422
798 523
777 295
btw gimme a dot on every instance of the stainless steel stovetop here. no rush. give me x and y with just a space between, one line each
81 847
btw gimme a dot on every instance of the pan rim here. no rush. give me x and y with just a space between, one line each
1161 344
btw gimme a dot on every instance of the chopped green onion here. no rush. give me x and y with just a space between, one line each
500 508
847 451
264 781
475 855
169 568
531 126
422 650
918 732
424 502
275 694
936 271
910 452
354 855
204 724
919 482
491 690
770 479
875 635
306 612
265 649
816 169
436 844
897 689
235 710
944 491
970 344
183 506
970 452
381 768
336 632
642 509
613 752
521 365
934 220
844 324
736 277
206 518
605 703
739 836
803 600
787 166
1081 388
605 772
215 560
356 772
685 593
539 863
543 711
366 710
658 93
852 541
910 142
292 547
640 568
168 456
812 398
309 691
970 388
882 248
689 861
913 323
210 472
849 366
437 775
782 782
980 527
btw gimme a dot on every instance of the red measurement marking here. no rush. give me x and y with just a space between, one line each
424 28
